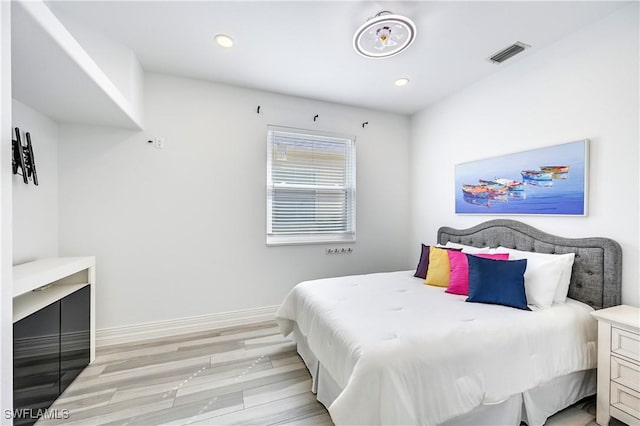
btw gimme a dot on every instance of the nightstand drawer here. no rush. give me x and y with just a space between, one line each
625 399
625 343
624 372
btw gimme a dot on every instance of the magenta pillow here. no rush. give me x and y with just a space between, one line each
459 277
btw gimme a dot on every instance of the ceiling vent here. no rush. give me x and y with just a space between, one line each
508 52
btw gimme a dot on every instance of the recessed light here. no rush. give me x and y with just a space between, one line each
224 40
401 82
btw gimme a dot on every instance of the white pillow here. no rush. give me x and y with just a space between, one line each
541 281
498 250
467 249
565 262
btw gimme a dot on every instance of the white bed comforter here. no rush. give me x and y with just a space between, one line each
407 353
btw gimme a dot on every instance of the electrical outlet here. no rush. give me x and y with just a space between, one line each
341 250
159 143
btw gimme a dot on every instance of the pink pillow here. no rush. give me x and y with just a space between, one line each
459 277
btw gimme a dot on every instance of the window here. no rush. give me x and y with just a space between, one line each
311 187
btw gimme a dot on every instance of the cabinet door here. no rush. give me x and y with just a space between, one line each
75 321
36 363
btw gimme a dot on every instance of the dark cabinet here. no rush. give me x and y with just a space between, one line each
50 348
36 362
75 320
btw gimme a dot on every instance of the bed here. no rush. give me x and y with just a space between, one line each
387 349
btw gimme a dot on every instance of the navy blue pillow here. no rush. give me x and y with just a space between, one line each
499 282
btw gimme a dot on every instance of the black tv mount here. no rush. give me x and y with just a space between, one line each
23 159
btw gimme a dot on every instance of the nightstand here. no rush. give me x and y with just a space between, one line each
618 364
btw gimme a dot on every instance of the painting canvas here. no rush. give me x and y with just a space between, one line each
545 181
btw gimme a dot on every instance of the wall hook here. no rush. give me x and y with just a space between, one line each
258 110
364 124
315 117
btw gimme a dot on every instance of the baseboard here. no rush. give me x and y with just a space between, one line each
159 329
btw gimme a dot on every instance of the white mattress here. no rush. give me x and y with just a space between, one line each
406 353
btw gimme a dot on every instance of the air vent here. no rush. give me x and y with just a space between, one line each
508 52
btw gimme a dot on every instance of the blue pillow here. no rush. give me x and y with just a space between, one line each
499 282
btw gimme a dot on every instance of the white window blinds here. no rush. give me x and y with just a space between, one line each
310 187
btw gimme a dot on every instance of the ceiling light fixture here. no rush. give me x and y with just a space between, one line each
384 35
401 82
224 40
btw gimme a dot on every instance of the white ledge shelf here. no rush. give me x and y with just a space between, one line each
39 283
53 74
33 275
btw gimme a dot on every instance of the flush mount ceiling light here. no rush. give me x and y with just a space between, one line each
224 40
384 35
401 82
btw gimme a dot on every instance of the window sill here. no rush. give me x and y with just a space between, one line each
288 240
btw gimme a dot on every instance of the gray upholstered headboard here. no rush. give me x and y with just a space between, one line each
597 270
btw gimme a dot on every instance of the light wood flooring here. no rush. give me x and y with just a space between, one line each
241 375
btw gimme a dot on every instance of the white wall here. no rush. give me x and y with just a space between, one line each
585 86
35 208
180 232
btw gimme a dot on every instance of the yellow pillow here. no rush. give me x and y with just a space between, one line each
439 268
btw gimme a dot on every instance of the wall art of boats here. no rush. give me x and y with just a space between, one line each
542 181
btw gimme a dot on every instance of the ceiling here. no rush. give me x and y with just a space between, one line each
304 48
